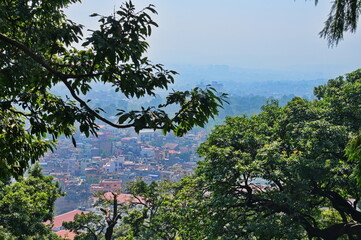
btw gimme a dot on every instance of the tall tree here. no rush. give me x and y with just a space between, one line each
158 216
103 226
26 205
39 48
283 174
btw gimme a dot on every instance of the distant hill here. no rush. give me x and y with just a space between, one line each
241 82
248 89
244 82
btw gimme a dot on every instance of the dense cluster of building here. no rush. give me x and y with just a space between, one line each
105 163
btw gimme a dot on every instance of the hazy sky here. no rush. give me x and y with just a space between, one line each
257 34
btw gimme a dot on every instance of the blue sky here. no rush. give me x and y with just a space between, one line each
277 35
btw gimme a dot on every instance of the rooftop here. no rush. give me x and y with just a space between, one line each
66 234
65 217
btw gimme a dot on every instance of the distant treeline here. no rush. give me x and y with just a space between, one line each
245 98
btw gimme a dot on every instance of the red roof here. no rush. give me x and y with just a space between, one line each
173 152
66 234
111 181
129 138
65 217
170 145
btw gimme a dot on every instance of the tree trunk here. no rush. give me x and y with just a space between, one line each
109 232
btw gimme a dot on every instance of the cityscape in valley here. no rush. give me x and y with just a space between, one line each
116 157
106 163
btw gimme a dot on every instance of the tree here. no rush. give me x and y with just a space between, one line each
158 216
26 205
343 17
159 210
171 210
86 226
39 49
102 226
283 174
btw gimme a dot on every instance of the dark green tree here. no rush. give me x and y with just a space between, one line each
156 219
88 226
159 210
94 226
343 104
283 174
170 210
39 48
26 205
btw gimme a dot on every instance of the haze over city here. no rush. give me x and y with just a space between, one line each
268 35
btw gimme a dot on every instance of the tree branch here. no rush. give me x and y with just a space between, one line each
83 103
63 78
340 203
44 63
31 54
91 231
20 112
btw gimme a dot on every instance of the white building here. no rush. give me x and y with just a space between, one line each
115 164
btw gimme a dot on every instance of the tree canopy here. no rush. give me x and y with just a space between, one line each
283 174
26 205
40 48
